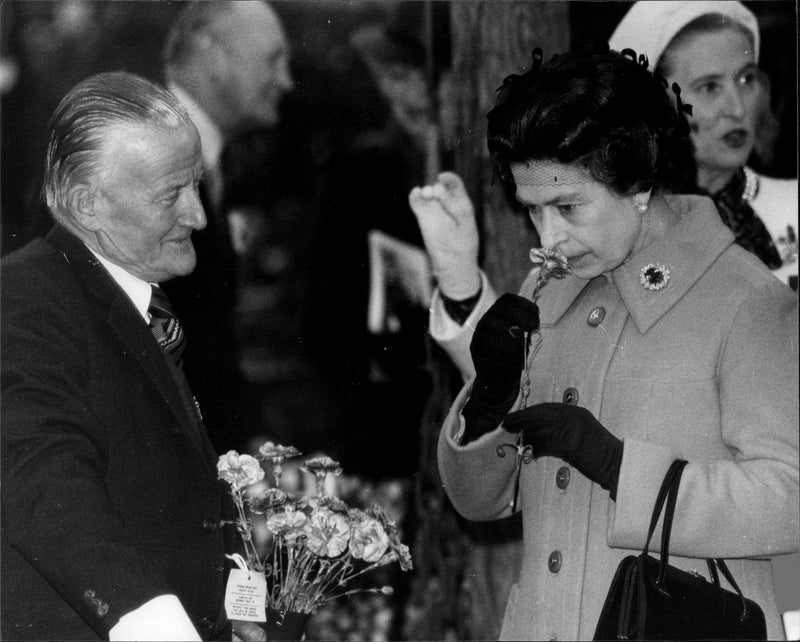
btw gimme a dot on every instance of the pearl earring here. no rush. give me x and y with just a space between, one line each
642 207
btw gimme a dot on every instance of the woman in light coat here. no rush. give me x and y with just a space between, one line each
711 49
665 341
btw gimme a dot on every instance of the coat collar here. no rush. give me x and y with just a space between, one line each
687 251
115 308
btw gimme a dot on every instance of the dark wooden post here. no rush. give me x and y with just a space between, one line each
463 571
490 41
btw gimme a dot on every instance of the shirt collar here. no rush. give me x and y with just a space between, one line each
138 291
211 140
687 251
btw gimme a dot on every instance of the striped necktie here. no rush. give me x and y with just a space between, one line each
165 325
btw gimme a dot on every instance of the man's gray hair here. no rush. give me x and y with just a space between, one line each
195 30
77 128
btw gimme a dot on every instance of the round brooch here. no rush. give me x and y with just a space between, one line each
654 276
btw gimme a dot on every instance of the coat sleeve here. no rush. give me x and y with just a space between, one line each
455 338
56 511
479 478
745 505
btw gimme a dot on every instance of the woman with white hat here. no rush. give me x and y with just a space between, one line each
711 50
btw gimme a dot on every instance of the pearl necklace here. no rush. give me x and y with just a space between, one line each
750 185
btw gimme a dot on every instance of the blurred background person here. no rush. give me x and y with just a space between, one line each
369 322
711 49
228 63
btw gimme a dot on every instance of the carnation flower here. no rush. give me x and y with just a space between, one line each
399 551
267 500
551 262
308 547
321 467
239 470
327 533
401 555
276 454
335 504
289 524
368 540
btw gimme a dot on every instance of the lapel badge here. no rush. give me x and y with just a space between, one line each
654 277
787 245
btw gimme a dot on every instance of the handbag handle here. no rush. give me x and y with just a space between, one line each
669 493
676 469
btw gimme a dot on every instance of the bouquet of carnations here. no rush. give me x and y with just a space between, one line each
308 547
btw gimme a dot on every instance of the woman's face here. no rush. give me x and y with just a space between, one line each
718 77
594 227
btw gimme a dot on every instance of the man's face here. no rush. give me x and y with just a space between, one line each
146 202
258 67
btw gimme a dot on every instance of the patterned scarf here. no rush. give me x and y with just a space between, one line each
733 203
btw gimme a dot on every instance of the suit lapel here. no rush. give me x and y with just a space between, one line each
114 308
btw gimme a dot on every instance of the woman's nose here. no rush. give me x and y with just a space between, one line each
551 233
735 103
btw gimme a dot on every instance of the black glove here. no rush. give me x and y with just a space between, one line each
498 353
573 434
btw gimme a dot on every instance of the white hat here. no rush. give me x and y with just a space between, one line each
650 25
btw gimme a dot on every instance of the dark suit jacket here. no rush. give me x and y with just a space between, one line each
109 489
206 300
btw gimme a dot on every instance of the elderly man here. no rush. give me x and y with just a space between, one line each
227 63
111 508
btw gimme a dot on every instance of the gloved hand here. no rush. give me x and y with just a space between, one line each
498 354
573 434
446 219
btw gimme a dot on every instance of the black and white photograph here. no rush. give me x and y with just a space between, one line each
399 320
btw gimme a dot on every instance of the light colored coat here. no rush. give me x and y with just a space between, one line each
705 369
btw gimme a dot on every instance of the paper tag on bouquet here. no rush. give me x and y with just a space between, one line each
246 595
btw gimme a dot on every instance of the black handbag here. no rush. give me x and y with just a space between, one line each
651 600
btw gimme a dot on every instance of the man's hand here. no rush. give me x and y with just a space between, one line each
248 632
573 434
498 354
447 221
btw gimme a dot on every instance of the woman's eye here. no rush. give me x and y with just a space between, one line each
710 87
747 78
566 209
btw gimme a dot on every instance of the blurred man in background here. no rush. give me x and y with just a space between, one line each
228 64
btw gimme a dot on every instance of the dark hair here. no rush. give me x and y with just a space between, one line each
78 127
599 109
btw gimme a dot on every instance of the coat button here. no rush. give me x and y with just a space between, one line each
210 525
562 477
554 562
596 316
570 396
